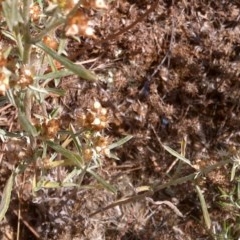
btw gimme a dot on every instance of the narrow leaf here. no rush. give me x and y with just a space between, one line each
102 181
38 89
204 208
53 184
177 155
76 140
74 158
53 75
11 13
27 126
59 92
120 142
75 172
77 69
6 196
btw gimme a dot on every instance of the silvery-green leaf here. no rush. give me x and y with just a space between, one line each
6 197
77 69
204 208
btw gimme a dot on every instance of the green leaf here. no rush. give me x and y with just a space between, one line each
120 142
204 208
75 139
102 181
38 89
59 92
77 69
53 75
177 155
75 172
53 184
6 196
74 158
27 126
12 13
10 97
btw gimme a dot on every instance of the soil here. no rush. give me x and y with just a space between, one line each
170 78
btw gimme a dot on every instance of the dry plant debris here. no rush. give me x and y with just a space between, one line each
171 77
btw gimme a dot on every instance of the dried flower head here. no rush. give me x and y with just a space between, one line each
50 128
101 141
87 154
35 12
98 4
96 117
25 77
50 42
79 24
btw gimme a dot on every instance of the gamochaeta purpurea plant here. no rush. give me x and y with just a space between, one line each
31 57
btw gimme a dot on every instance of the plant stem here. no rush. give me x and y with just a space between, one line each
48 29
26 32
158 186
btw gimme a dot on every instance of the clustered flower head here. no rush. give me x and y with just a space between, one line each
95 119
97 145
50 128
98 4
35 12
79 24
68 5
50 42
25 77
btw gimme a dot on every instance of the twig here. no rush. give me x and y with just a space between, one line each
168 203
27 225
122 201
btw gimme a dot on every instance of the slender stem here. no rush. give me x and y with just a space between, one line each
18 38
26 54
26 31
47 30
28 104
158 186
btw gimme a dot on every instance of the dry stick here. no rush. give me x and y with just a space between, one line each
123 201
18 222
27 225
168 203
